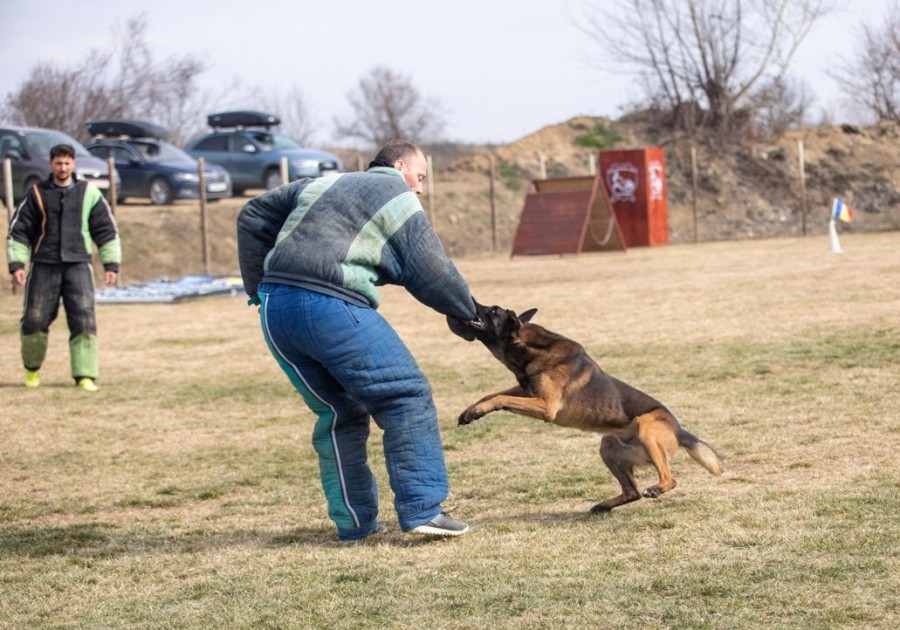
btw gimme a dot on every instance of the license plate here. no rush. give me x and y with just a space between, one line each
101 183
217 187
327 172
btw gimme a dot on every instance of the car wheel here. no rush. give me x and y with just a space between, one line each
120 200
160 192
273 178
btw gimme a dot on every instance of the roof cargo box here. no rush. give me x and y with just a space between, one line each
242 119
131 128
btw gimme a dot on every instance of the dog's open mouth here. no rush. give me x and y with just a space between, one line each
466 328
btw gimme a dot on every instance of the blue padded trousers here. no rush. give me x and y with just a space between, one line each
349 364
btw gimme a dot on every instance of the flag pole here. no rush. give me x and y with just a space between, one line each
834 245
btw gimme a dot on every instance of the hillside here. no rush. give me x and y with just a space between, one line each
748 190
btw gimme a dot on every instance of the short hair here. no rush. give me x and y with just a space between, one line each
393 151
62 150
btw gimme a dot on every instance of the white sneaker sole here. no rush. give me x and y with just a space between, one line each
430 530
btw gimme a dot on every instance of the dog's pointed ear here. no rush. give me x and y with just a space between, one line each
515 322
527 315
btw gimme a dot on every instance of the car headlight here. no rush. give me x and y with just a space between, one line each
187 177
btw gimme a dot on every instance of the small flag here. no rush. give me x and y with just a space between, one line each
842 211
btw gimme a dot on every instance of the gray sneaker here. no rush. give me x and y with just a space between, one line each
441 525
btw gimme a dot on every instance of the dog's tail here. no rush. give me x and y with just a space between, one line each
701 452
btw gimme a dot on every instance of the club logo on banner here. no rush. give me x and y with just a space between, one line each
622 181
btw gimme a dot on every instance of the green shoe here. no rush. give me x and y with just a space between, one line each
87 384
32 378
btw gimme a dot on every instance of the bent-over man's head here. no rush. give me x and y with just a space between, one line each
407 158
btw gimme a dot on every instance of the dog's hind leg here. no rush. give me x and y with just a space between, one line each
658 437
619 458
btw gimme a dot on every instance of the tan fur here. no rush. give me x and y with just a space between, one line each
560 383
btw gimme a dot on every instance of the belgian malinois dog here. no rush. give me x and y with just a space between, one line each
560 383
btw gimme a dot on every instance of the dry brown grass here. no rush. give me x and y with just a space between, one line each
185 493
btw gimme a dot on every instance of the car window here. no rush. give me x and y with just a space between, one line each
9 142
121 154
99 152
171 153
237 142
42 141
215 143
160 152
273 141
149 151
266 141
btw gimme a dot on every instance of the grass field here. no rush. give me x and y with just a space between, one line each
185 493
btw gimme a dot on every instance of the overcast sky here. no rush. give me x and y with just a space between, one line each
502 68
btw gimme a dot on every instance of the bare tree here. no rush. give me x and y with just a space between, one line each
122 82
56 97
702 56
290 107
872 74
779 105
387 106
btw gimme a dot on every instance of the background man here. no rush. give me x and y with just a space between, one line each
54 227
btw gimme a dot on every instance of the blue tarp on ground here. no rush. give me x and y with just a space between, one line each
165 290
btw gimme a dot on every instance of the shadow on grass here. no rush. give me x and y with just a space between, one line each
104 540
57 385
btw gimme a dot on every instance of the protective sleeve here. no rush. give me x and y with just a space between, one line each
432 278
104 230
24 228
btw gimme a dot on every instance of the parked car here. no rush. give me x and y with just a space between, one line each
28 149
150 167
244 144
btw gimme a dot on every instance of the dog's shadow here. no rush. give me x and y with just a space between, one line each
538 516
576 516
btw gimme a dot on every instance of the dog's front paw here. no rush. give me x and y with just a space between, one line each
469 415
